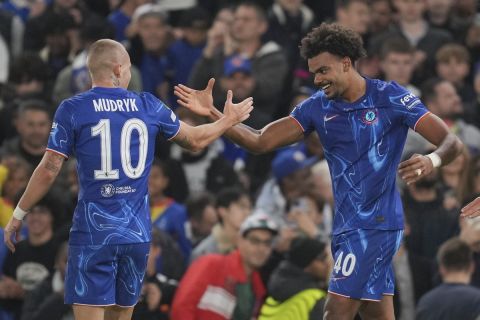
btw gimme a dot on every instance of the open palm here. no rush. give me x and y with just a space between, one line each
197 101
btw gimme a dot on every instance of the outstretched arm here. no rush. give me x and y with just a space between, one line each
448 145
197 138
279 133
39 184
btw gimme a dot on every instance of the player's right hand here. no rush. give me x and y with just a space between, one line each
197 101
237 112
12 230
472 209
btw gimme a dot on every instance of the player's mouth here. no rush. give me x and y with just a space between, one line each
325 86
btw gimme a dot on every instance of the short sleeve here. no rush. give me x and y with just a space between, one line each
409 105
168 120
302 115
61 138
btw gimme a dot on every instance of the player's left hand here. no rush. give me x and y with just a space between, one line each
12 230
415 168
472 209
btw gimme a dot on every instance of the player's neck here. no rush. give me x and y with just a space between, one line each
357 88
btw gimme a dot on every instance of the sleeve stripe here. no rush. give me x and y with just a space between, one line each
301 127
176 133
416 123
57 152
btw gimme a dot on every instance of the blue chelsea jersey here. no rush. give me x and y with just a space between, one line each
111 132
363 142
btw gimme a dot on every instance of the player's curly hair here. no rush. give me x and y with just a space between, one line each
334 39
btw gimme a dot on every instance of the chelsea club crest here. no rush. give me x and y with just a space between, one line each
370 116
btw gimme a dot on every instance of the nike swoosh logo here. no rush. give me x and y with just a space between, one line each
325 118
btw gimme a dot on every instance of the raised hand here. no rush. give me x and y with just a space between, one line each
472 209
237 112
197 101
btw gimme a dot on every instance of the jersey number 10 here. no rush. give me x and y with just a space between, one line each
103 130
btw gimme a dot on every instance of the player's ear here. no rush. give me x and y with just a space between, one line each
347 63
117 70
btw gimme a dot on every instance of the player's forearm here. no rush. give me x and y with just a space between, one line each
243 135
205 134
449 149
41 180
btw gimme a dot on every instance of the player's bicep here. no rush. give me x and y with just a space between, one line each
281 133
184 136
432 128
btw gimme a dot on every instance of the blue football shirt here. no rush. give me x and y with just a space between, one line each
363 142
111 131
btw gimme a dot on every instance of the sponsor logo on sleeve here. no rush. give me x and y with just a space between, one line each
409 101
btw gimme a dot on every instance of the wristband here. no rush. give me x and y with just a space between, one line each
19 213
435 158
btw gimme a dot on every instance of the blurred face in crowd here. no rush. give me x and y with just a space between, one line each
157 181
247 25
453 70
291 5
39 221
381 15
241 83
439 7
16 182
195 36
410 10
447 102
33 127
255 247
58 43
355 16
236 213
321 267
65 4
297 183
398 66
153 32
203 227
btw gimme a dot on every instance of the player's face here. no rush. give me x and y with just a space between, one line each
329 73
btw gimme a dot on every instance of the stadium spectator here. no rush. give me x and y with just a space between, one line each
202 216
454 298
381 16
121 19
45 301
354 14
227 287
233 207
166 213
269 64
296 289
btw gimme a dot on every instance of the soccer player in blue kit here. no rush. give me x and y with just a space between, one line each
111 131
362 124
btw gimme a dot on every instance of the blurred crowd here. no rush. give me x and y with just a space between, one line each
238 235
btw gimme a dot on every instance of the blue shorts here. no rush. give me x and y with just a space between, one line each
363 263
106 274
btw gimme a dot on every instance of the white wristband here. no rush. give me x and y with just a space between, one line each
436 160
19 213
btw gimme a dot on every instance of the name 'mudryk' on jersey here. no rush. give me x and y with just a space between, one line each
111 132
363 142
